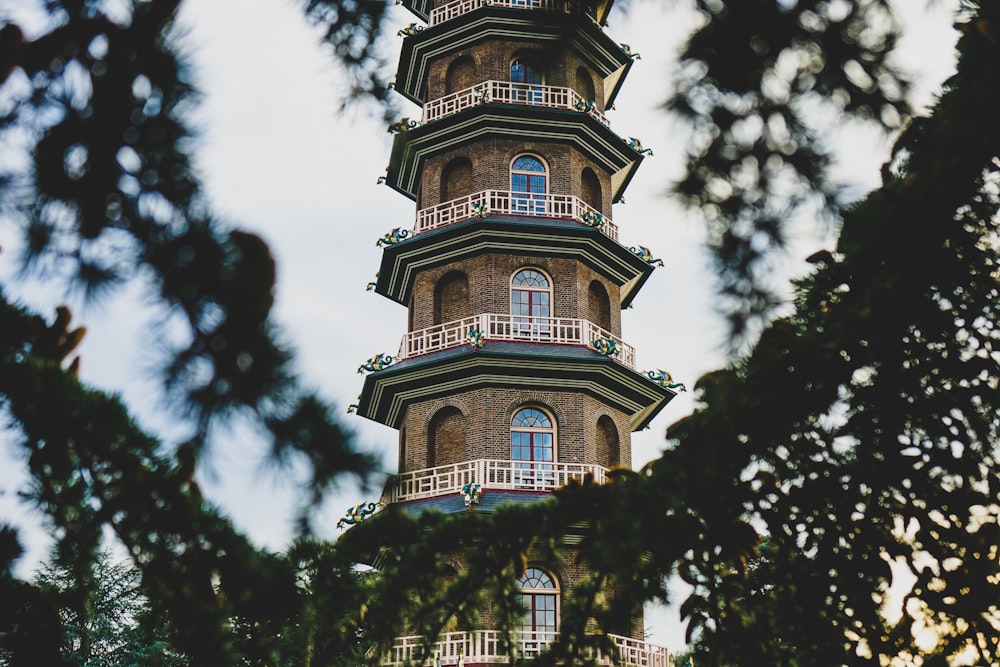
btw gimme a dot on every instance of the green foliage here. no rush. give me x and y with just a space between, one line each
855 444
756 80
96 104
107 618
857 436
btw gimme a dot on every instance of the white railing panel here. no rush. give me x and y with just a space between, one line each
487 646
459 7
493 326
498 474
505 202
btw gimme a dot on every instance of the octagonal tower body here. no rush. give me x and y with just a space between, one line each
513 375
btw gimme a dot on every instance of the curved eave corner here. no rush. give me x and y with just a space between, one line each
420 8
621 178
613 83
630 289
601 10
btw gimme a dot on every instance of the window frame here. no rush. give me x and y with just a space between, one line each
526 197
531 325
531 473
535 636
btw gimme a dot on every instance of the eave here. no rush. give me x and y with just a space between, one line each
573 368
605 56
522 123
514 235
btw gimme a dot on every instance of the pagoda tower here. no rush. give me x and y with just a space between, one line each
512 378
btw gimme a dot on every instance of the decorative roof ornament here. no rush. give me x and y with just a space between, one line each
606 346
664 379
352 409
410 30
627 50
392 238
480 209
476 338
482 94
646 255
404 124
637 146
470 494
593 218
586 106
357 514
379 362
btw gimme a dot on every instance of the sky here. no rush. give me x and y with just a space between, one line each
279 158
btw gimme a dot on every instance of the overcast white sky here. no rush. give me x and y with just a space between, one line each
279 159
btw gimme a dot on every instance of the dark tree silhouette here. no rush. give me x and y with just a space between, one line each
858 433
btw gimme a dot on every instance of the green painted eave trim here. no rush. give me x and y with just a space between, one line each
599 143
572 368
510 235
584 37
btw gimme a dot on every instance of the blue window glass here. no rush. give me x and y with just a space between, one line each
532 447
528 183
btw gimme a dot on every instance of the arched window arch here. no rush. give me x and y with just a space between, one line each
461 74
456 179
585 84
525 70
608 443
533 448
592 189
451 297
599 305
540 597
526 79
531 304
446 437
529 183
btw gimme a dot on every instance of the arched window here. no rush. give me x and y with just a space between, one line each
451 297
599 305
540 597
528 183
585 84
530 304
526 79
533 449
461 74
446 437
608 444
592 189
456 179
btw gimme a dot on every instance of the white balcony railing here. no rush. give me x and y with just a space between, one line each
493 326
459 7
504 202
490 474
489 646
506 92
